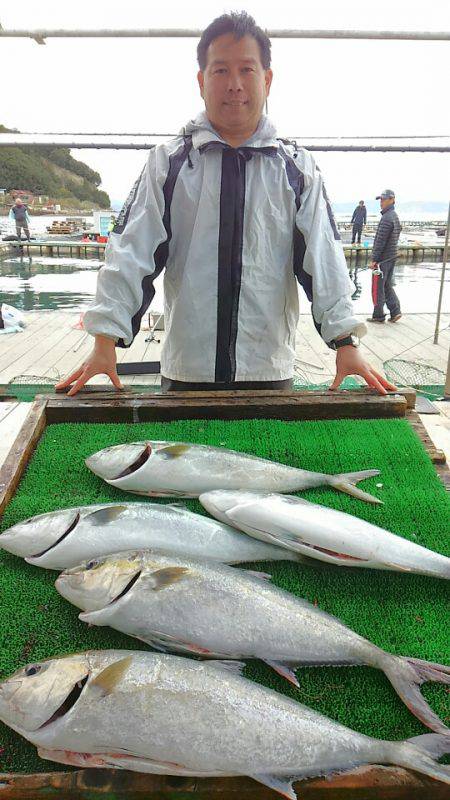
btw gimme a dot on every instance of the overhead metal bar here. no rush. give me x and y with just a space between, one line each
86 143
41 34
172 135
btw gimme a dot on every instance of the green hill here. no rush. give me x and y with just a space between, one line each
52 172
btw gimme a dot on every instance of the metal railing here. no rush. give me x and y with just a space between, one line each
39 35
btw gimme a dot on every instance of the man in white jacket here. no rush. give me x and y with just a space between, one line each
235 216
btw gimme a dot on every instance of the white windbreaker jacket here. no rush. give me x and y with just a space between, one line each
234 228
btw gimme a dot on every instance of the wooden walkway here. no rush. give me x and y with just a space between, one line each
50 347
356 255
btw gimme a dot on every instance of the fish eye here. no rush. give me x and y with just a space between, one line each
92 564
32 669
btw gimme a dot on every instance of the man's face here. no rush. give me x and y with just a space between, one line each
385 202
18 202
234 84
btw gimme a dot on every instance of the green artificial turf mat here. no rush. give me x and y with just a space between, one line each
402 613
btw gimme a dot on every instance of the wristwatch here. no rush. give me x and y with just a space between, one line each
335 344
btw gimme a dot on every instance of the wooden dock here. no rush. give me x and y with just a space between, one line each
356 255
50 347
75 248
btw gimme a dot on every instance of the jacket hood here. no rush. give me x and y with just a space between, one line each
202 133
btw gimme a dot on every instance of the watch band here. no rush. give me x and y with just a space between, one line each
346 340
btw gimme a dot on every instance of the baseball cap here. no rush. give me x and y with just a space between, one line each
386 195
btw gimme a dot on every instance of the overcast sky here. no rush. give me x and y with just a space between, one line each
320 88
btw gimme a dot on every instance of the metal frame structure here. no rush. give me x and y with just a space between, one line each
39 35
138 142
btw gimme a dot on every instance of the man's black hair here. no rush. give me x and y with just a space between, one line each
240 24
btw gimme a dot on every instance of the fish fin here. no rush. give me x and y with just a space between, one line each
164 642
283 786
406 675
264 576
71 757
232 666
108 678
420 754
346 483
165 577
138 763
178 505
174 450
435 744
105 515
284 671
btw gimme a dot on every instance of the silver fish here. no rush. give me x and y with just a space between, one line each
173 716
209 609
322 533
62 539
168 469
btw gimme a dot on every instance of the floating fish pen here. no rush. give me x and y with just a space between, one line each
403 613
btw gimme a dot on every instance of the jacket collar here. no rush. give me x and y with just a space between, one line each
202 132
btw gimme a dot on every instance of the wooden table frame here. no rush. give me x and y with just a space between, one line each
103 405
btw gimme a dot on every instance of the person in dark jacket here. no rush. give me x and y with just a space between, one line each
384 253
19 215
358 220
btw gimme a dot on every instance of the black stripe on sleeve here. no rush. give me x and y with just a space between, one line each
176 161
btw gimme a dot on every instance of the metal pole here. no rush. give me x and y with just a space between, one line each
447 380
179 33
9 140
441 288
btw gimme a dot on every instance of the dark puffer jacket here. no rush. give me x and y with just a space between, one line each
359 217
386 238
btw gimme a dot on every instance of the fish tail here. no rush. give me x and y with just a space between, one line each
421 753
406 675
346 482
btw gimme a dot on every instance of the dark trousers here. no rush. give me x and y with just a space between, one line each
19 226
167 385
356 232
383 291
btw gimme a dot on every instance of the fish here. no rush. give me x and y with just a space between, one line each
177 469
168 715
322 533
216 611
62 539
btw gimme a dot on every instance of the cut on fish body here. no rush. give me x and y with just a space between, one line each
187 470
212 610
322 533
62 539
169 715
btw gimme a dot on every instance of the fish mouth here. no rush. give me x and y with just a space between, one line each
127 588
68 703
137 464
71 527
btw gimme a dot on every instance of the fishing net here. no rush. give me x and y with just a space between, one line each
26 387
426 379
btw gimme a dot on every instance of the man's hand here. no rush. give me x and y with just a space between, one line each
373 265
102 361
350 362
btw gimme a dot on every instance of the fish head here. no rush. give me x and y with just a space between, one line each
38 693
220 501
95 584
116 464
36 535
